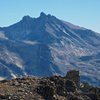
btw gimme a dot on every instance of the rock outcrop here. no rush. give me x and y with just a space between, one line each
74 75
69 87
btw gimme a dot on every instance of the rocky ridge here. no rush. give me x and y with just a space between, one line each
69 87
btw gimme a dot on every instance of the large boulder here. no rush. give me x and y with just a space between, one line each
74 75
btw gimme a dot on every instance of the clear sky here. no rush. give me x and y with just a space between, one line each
84 13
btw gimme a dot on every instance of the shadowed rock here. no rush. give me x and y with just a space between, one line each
74 75
49 88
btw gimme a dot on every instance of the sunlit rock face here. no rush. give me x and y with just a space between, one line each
46 46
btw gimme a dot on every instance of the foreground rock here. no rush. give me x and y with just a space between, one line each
48 88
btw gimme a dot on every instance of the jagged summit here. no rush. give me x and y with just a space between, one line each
27 18
42 14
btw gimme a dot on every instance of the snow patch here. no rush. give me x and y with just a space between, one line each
50 30
65 31
1 78
2 35
14 76
30 42
12 58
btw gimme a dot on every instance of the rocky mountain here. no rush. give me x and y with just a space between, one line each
46 46
68 87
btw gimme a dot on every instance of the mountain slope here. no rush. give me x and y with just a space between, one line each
45 46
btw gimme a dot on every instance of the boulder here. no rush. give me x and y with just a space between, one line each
74 75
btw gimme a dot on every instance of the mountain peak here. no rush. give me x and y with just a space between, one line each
46 16
49 46
42 14
27 17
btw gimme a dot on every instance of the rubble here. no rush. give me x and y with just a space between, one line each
48 88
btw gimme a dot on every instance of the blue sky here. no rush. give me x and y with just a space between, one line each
84 13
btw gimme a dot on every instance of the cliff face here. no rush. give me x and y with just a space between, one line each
69 87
